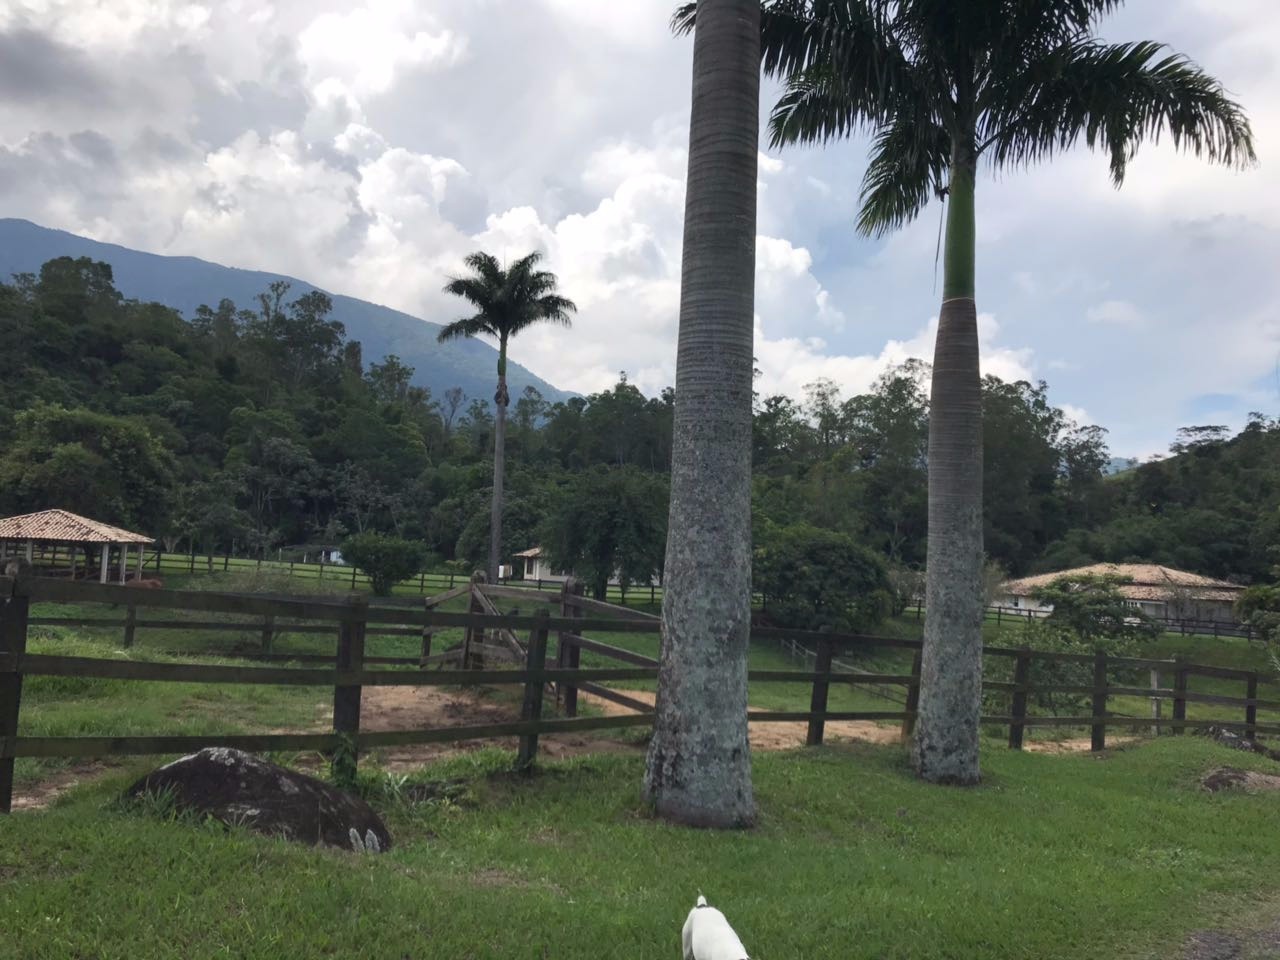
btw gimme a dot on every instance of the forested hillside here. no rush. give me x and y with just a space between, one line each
259 426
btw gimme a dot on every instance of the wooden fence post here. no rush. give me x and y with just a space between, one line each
346 697
818 699
13 644
1251 709
428 632
913 698
268 632
569 656
535 662
1018 709
1179 701
130 624
473 638
1156 703
1098 733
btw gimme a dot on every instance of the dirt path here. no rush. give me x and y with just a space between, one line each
782 735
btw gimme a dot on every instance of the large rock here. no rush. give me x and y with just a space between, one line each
1235 741
240 789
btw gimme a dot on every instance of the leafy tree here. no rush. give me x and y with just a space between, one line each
942 87
814 578
1259 608
1089 615
507 301
608 522
102 466
698 769
1091 607
384 559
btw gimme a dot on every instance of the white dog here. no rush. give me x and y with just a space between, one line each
708 936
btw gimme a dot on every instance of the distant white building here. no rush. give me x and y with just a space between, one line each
532 564
1157 591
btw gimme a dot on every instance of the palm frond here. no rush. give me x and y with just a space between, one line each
1115 96
475 326
820 104
474 290
796 34
909 161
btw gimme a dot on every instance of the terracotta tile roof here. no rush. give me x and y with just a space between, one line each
531 552
1150 582
62 526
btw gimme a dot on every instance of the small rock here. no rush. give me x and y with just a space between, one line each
1224 778
240 789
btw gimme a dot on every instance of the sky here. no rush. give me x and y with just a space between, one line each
368 145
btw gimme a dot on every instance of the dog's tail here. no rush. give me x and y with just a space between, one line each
702 901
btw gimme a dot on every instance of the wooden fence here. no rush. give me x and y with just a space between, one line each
56 561
349 671
1183 625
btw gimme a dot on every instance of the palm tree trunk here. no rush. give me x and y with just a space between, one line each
946 738
499 464
699 764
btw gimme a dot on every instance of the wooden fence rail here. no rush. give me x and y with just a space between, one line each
350 670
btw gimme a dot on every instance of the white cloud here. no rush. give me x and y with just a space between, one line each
788 363
368 145
364 48
1119 312
1078 415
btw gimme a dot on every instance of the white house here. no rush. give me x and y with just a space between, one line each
1157 591
532 564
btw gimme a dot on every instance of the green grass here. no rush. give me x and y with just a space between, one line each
1055 858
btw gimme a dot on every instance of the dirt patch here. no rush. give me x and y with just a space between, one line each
1233 778
1075 745
38 795
1259 943
765 735
417 708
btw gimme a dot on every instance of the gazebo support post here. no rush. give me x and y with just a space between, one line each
106 559
142 551
124 561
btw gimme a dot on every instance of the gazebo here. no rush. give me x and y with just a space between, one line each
50 530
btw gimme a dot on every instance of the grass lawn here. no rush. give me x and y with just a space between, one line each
1052 857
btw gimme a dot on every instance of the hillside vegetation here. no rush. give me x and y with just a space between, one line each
250 427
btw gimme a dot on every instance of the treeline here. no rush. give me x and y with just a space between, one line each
261 427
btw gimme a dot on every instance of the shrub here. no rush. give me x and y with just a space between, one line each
385 560
1259 608
813 578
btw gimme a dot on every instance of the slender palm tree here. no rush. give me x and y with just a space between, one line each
944 85
507 301
699 766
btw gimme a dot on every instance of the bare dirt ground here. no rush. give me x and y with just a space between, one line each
35 796
410 708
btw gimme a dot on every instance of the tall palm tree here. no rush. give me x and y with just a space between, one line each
507 301
943 85
699 767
